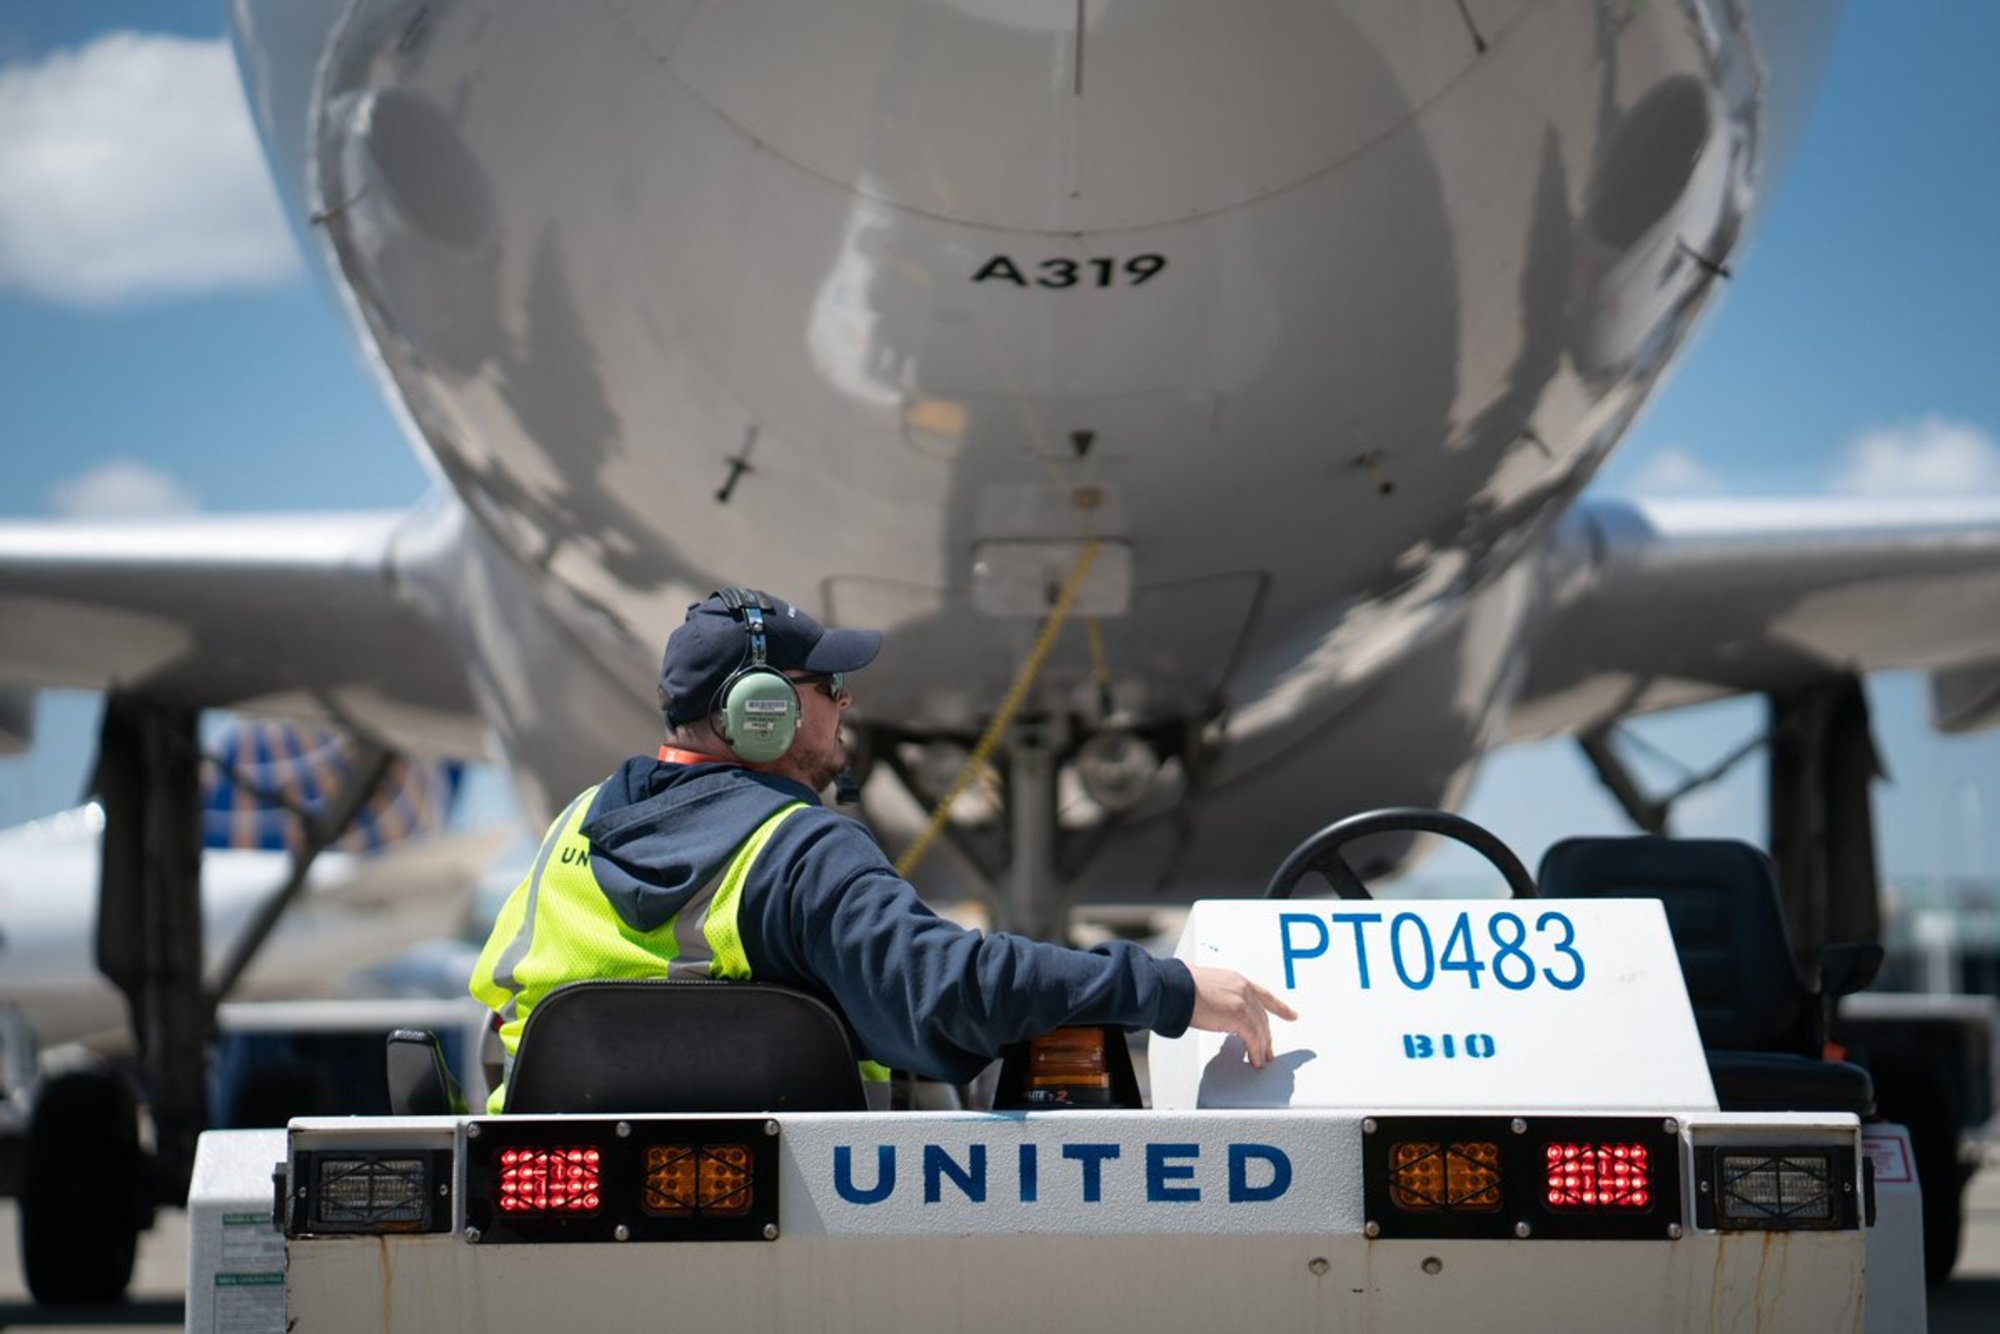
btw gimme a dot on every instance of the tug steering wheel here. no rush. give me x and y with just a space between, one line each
1321 852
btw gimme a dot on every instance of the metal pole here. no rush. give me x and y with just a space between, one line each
1034 907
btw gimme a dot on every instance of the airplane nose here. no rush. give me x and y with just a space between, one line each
999 111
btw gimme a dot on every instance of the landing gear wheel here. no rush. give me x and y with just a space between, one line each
1321 852
1914 1094
83 1190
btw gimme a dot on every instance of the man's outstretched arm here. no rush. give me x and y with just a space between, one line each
926 995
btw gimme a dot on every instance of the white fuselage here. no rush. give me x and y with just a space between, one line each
1317 314
356 910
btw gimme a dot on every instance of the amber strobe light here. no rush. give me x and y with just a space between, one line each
1068 1058
717 1180
1445 1177
560 1179
1599 1176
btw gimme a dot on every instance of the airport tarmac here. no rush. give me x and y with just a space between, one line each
1969 1304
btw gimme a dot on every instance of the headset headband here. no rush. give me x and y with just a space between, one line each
750 606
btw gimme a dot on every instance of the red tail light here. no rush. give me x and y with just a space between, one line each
562 1179
1599 1176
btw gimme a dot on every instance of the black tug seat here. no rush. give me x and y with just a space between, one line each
657 1046
684 1047
1762 1028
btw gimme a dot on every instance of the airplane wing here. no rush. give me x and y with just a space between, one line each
297 616
1653 604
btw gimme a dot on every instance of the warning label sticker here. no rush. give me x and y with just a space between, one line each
251 1245
249 1303
1890 1153
250 1290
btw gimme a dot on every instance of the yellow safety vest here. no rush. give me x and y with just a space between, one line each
558 927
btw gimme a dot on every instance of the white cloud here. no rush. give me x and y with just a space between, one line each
1935 456
1676 473
129 167
122 489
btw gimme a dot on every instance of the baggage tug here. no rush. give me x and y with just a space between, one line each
1499 1110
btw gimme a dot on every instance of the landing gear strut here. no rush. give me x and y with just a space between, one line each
1822 767
1034 904
88 1189
78 1237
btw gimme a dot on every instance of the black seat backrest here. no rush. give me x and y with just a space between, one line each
1721 898
660 1046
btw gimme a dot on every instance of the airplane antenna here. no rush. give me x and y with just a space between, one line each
1478 41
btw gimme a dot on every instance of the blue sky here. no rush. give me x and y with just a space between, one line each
1858 349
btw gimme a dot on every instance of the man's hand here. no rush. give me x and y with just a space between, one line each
1225 1001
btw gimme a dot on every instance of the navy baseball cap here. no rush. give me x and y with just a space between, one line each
706 649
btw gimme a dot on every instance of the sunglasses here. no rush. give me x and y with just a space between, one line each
832 684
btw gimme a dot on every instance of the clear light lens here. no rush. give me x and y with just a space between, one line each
1762 1187
371 1192
560 1180
1460 1178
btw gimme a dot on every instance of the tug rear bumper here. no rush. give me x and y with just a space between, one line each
1161 1221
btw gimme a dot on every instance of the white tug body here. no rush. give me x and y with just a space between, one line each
1488 1109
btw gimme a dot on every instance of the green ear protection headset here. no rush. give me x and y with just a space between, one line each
757 709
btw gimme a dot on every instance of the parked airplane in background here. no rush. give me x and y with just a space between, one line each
357 912
281 916
397 878
1290 331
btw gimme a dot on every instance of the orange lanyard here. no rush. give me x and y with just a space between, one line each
675 755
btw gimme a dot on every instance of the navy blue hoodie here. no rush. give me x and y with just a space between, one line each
823 910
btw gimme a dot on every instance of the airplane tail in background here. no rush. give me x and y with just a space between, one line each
264 775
